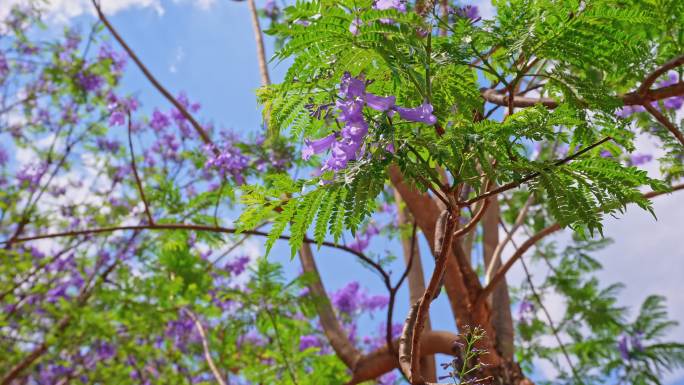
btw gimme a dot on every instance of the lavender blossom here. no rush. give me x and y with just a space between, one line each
159 121
623 346
3 156
346 299
398 5
639 159
238 265
469 12
309 341
420 114
317 146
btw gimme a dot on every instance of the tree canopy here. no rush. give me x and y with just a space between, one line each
461 140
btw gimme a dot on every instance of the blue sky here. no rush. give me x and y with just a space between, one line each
206 48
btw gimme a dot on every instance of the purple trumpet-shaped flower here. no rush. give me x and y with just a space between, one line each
159 121
636 341
270 9
346 300
421 114
117 118
351 87
359 244
380 103
3 156
317 146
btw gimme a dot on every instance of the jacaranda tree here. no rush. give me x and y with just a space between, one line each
395 121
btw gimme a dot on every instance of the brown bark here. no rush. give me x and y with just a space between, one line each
416 281
331 326
502 319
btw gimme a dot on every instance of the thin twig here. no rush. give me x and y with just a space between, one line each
198 128
551 323
135 172
193 227
533 175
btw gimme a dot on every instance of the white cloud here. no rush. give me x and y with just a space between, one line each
61 11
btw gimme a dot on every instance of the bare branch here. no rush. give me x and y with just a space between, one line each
261 52
628 99
339 340
655 74
135 172
205 347
665 122
536 238
198 128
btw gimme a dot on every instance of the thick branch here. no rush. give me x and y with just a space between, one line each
416 279
261 52
331 326
381 361
628 99
665 122
424 304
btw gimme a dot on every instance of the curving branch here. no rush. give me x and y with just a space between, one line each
197 127
662 119
381 361
628 99
205 347
138 182
520 251
655 74
423 306
192 227
338 338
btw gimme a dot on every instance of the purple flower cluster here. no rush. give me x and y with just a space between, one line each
309 341
627 344
639 159
350 299
362 240
118 59
4 66
346 145
89 82
228 160
467 12
238 265
525 310
3 156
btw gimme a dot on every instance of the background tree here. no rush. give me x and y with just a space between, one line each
414 121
